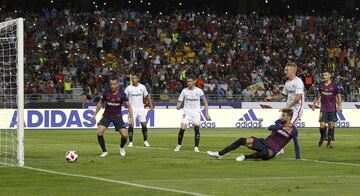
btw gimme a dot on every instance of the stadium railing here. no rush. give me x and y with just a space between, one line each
43 98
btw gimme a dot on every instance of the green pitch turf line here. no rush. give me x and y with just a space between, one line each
308 160
247 178
114 181
331 162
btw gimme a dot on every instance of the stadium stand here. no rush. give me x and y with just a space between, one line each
71 54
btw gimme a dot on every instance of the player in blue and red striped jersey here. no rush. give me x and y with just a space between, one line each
282 131
294 91
114 99
328 96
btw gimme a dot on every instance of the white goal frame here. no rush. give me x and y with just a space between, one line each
19 140
20 91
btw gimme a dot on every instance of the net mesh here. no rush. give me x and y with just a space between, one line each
8 93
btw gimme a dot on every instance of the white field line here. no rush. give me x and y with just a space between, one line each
332 162
249 178
114 181
212 179
308 160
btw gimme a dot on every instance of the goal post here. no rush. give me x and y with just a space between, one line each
20 90
12 93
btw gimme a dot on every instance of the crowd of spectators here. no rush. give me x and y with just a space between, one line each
228 53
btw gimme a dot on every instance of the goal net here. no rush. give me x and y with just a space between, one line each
11 93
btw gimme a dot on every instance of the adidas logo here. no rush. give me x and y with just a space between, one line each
249 120
203 115
342 122
203 122
300 124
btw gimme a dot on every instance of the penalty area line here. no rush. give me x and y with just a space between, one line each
114 181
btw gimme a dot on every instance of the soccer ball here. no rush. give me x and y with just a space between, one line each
71 156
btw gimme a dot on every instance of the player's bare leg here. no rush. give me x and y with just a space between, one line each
145 134
100 136
322 133
123 140
180 136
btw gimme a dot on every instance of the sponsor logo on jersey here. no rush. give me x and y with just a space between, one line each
136 95
192 99
113 103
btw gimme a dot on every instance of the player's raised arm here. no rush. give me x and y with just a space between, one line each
276 126
98 107
275 97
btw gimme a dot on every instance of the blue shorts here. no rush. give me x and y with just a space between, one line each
327 117
117 121
259 145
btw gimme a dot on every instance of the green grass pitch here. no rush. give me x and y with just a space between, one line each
324 172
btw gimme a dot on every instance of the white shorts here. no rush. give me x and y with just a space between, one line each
193 118
296 116
140 115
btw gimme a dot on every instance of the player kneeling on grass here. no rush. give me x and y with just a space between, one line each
192 98
282 131
114 98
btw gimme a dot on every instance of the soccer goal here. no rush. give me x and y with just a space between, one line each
12 93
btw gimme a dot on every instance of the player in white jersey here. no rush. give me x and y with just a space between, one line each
192 98
136 92
294 92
